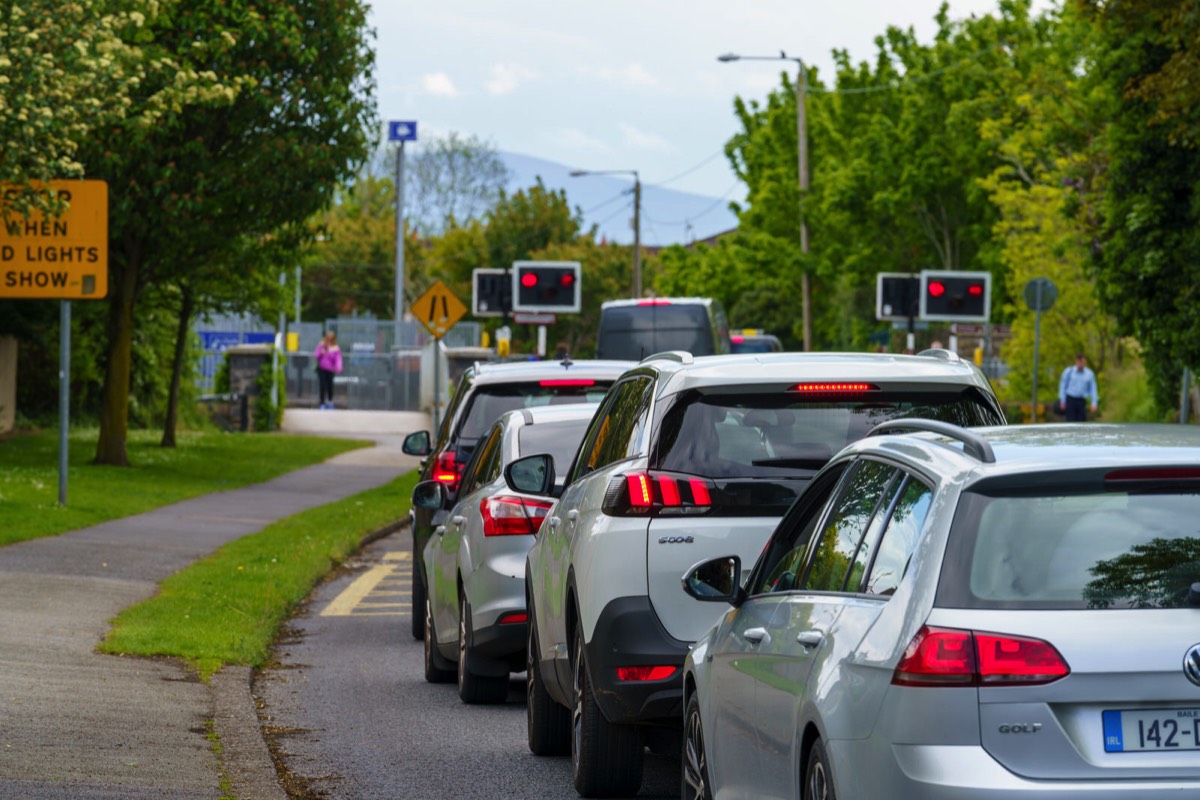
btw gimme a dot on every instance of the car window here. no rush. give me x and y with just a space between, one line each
461 392
634 332
774 433
490 401
485 458
899 540
560 439
835 558
782 560
618 432
1069 549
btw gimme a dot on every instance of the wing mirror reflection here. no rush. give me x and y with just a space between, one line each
717 580
417 444
531 475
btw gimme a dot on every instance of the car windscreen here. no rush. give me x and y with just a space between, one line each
1048 549
634 332
778 433
560 439
489 402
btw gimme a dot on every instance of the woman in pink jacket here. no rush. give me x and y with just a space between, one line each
329 363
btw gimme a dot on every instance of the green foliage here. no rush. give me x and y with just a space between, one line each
205 462
221 383
268 413
227 609
450 180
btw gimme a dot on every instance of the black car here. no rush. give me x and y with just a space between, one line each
485 391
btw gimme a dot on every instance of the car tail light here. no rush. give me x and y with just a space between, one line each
447 470
657 493
949 657
567 382
513 618
512 516
838 388
649 673
737 339
654 301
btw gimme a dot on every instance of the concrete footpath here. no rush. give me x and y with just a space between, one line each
78 724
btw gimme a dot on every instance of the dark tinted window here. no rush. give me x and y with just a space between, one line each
634 332
840 557
559 439
755 344
484 464
615 432
777 433
489 402
1073 550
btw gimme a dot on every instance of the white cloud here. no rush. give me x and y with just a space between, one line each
439 84
629 75
641 140
507 77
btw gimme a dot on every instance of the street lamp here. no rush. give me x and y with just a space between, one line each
637 218
802 152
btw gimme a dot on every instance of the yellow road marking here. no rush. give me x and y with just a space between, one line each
343 605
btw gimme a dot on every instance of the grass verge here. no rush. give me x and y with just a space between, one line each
203 462
227 608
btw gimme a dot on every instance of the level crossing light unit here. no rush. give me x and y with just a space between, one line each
802 153
637 218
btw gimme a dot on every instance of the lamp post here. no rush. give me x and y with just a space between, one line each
637 218
802 154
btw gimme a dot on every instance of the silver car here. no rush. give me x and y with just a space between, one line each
993 613
475 607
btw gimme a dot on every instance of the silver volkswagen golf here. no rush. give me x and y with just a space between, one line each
969 614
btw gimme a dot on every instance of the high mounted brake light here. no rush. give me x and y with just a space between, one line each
657 493
1153 474
840 388
567 382
654 301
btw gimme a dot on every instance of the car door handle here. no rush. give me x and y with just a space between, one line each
553 523
440 530
573 515
757 636
458 521
810 638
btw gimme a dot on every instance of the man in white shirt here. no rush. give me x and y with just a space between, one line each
1076 387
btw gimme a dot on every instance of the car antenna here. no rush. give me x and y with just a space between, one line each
566 362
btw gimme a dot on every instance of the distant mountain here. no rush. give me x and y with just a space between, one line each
668 216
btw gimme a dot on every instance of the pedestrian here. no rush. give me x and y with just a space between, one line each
1076 387
329 363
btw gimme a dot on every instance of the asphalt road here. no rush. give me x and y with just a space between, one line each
348 711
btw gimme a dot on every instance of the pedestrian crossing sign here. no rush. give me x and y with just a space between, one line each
438 309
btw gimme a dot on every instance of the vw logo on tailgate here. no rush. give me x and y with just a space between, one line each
1191 664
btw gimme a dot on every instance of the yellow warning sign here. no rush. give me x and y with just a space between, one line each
438 309
61 258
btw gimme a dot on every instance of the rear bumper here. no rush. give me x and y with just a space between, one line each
867 768
628 634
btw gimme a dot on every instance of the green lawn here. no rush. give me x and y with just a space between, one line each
227 608
203 462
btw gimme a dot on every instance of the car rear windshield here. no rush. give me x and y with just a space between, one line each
1101 550
777 433
489 402
634 332
559 439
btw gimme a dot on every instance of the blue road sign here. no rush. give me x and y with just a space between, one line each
402 131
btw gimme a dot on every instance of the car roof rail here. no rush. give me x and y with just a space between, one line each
973 444
942 353
682 356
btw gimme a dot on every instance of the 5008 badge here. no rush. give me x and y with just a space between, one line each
677 540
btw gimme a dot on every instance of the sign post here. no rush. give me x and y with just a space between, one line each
1040 294
438 310
60 258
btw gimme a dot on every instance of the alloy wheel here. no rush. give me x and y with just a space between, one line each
695 762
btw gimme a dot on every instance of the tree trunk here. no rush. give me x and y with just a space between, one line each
186 307
114 409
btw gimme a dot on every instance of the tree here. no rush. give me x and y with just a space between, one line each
451 180
287 118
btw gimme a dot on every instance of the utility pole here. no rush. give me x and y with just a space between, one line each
637 235
802 149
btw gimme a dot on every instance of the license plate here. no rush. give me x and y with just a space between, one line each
1152 729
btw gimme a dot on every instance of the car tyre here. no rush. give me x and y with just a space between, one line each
475 689
437 668
606 759
694 782
548 723
818 778
418 600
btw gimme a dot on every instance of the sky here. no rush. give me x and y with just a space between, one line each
616 84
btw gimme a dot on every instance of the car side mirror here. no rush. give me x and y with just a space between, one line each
531 475
417 444
429 494
717 580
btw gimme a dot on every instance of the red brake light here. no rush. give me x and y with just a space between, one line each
512 516
937 288
657 493
447 470
654 673
737 339
948 657
529 280
654 301
513 618
567 382
834 388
